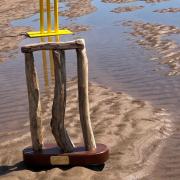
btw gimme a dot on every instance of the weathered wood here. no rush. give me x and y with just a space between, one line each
82 65
59 103
52 46
34 102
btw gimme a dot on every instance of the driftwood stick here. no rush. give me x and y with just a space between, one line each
52 46
59 103
82 65
34 102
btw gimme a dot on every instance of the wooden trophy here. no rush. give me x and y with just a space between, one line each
65 152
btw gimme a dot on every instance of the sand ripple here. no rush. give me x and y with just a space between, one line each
9 36
128 1
154 36
77 8
132 129
168 10
127 9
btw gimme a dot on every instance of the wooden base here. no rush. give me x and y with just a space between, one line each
51 155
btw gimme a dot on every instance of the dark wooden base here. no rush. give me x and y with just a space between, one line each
51 155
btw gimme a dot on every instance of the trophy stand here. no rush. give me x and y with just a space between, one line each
64 152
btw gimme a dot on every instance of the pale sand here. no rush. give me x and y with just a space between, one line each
77 28
168 10
10 37
126 9
77 8
156 37
132 129
128 1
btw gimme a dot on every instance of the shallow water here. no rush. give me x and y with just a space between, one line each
115 60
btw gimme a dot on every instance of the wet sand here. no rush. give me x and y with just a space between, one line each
78 8
126 9
155 36
132 129
168 10
77 28
128 1
10 36
118 1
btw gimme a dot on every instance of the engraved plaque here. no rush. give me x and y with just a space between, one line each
59 160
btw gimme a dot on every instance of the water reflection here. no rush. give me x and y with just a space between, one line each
48 56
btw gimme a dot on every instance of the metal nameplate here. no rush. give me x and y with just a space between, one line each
59 160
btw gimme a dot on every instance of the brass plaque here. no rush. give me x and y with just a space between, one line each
59 160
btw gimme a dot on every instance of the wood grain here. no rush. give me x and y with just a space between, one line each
82 65
34 102
59 103
52 46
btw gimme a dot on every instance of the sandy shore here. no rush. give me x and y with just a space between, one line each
10 36
156 37
128 1
78 8
168 10
126 9
132 129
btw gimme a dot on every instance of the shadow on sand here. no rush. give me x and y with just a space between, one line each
21 166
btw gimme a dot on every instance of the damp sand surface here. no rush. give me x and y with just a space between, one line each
78 8
143 139
126 9
168 10
132 129
10 37
155 36
129 1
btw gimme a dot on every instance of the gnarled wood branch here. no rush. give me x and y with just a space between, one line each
59 103
34 102
52 46
82 62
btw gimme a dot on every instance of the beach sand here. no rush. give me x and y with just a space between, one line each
133 129
128 1
155 36
126 9
10 37
168 10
